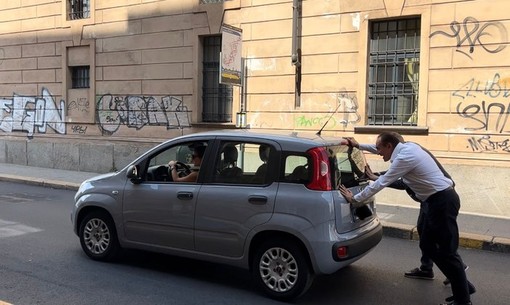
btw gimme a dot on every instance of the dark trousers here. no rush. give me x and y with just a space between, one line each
426 262
439 240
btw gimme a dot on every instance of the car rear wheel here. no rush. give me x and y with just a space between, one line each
280 268
98 237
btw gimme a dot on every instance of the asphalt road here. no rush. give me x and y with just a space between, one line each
41 262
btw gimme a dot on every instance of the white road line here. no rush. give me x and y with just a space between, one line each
384 215
461 211
11 228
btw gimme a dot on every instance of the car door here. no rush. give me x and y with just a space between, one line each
157 211
238 196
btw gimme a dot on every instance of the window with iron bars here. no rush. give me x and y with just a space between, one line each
393 79
80 77
216 97
79 9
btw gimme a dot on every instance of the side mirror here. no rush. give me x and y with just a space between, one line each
132 174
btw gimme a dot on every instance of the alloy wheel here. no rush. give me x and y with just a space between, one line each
96 235
278 269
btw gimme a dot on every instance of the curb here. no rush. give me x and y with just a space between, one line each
466 240
396 230
56 184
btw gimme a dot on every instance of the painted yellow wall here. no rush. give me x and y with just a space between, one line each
146 49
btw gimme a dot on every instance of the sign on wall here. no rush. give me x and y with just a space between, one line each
230 59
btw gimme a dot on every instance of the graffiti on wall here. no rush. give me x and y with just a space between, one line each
32 114
484 144
348 104
139 111
493 111
78 129
472 33
81 104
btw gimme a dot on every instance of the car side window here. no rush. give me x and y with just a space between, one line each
157 165
297 169
243 163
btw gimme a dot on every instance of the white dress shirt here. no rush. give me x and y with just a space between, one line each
417 168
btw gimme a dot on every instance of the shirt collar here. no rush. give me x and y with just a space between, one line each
396 151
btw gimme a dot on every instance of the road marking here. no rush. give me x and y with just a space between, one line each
462 211
11 228
384 215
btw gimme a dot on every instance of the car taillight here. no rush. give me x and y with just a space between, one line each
342 252
321 180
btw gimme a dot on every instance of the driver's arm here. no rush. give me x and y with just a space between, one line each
173 170
192 177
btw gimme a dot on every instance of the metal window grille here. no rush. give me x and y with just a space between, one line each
80 77
79 9
394 63
216 97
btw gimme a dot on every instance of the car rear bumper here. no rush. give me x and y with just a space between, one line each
357 243
359 246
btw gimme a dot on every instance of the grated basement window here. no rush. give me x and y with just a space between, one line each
393 81
216 97
79 9
80 77
211 1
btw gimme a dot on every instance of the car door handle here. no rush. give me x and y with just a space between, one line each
185 195
257 199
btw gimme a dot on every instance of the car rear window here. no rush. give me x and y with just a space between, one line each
347 165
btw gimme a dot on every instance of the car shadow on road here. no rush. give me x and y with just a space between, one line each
186 267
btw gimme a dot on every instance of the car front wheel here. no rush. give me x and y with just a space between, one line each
98 237
281 270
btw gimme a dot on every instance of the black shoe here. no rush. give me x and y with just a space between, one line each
446 282
455 303
417 273
472 290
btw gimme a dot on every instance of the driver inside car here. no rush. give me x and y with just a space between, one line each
198 153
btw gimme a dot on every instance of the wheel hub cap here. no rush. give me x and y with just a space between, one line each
278 269
96 236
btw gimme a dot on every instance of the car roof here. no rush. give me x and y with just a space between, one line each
284 138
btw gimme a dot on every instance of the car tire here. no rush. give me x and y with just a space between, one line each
281 270
98 236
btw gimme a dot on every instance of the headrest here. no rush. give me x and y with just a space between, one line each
230 154
264 152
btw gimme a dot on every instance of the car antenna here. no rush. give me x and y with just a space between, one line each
319 132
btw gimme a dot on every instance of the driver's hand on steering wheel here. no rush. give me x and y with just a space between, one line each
171 163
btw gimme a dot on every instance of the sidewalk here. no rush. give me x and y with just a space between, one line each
476 231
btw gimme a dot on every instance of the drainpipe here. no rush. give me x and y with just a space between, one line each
296 48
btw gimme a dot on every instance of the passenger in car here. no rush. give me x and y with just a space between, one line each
198 154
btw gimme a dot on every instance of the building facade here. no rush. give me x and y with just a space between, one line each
90 84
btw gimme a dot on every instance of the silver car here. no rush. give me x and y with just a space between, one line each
265 202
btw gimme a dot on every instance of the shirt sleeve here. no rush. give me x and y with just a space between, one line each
400 166
368 147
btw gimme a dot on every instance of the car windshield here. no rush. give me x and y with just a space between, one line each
347 165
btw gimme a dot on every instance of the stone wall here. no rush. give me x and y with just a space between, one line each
90 156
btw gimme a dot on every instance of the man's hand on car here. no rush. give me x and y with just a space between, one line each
346 193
